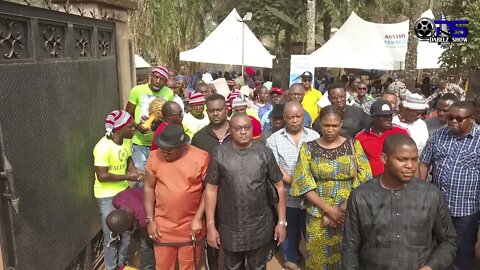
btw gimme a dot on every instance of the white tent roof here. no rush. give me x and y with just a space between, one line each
366 45
224 46
140 62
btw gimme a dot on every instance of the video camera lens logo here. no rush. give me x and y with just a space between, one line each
424 28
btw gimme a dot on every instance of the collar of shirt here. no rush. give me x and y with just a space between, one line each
473 132
213 134
305 134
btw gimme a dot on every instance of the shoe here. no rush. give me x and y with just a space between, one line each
292 266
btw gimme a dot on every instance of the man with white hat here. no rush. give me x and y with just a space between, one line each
410 118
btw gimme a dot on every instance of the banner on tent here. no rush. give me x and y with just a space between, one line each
298 65
395 40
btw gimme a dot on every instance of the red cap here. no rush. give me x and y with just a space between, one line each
277 91
250 71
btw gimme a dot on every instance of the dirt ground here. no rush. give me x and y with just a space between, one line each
275 264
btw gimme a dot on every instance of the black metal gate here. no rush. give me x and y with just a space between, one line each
58 81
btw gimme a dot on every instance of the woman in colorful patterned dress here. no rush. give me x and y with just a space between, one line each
327 170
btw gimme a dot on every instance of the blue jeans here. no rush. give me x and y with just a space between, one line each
115 248
296 219
140 155
147 254
466 228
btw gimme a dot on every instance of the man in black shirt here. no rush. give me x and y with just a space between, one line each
354 118
207 139
396 221
238 179
217 131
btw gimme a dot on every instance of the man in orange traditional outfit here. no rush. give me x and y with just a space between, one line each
173 199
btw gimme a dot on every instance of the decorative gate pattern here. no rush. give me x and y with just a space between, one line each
58 81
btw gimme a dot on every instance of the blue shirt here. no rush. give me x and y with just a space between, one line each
456 168
286 154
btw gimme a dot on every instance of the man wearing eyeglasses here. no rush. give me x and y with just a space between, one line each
239 174
172 114
362 100
311 97
453 152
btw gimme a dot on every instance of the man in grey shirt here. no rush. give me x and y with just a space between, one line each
443 106
396 221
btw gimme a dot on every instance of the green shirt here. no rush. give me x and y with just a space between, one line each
141 96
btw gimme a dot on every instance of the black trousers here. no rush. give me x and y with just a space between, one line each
212 258
256 259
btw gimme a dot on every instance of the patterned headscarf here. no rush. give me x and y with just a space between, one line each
116 120
399 88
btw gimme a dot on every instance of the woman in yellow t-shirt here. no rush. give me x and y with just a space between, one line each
113 167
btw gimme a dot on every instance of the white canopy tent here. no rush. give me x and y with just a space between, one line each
224 46
140 62
366 45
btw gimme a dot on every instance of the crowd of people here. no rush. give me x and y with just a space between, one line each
383 181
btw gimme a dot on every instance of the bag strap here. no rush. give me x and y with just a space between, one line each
355 165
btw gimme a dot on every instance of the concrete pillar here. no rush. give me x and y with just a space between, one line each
117 11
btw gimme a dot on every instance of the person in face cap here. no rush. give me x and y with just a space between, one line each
196 119
137 106
277 121
312 95
173 200
276 97
372 137
113 167
240 105
411 110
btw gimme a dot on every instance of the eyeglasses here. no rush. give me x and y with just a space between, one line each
362 88
177 113
306 80
459 119
240 128
296 94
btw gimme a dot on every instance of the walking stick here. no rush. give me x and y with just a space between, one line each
194 244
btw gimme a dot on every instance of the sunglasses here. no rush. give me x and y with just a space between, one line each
306 80
362 88
240 128
459 119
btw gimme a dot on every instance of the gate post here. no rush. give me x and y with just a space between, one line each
117 11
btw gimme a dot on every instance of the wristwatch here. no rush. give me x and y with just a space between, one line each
284 223
149 219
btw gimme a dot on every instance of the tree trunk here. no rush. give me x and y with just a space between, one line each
288 41
277 41
327 26
311 26
411 57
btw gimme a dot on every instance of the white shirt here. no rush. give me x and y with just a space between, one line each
418 131
324 101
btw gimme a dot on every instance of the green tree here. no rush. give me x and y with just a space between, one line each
161 29
416 7
459 58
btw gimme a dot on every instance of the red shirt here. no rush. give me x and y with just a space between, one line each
132 201
372 145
